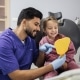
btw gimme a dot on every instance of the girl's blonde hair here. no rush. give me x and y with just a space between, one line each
45 20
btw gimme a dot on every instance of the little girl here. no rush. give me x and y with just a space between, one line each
50 28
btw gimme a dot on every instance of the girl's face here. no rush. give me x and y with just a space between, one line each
51 29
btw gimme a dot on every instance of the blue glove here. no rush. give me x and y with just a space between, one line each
58 62
47 48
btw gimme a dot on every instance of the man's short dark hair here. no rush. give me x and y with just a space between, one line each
29 13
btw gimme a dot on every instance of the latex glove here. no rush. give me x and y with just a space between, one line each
47 48
58 62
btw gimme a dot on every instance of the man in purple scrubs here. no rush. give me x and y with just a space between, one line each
18 49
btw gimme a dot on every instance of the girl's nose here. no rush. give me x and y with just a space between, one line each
53 30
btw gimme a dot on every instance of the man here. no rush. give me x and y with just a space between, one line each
18 49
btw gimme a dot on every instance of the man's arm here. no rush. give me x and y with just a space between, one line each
30 74
40 60
35 73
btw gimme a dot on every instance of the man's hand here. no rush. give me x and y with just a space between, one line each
64 66
58 62
47 48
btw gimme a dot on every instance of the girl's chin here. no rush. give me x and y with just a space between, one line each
54 36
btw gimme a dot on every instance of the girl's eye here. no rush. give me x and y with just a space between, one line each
49 27
55 27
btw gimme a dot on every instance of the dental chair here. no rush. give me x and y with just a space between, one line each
66 27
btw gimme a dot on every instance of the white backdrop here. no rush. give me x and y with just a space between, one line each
69 8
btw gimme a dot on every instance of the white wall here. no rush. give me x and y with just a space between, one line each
69 8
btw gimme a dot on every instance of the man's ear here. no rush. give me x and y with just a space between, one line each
24 21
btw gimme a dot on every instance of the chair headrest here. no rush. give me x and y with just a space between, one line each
70 29
57 15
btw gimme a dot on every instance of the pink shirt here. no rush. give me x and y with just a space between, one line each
53 55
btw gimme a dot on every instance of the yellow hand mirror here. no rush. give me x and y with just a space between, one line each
62 45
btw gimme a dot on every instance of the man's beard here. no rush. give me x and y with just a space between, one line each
30 34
